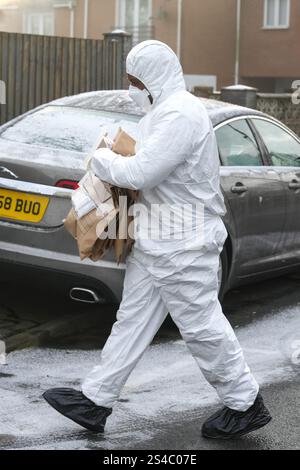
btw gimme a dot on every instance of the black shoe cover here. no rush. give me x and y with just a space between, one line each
229 424
74 405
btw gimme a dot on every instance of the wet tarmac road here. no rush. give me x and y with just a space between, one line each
166 399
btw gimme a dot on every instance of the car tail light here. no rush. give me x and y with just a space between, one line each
68 184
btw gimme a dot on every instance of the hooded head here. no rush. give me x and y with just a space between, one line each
157 67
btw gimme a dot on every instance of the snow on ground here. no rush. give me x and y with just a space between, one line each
166 384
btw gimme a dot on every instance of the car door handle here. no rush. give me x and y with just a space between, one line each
239 188
294 185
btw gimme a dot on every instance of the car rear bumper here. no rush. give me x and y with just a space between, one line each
106 275
48 247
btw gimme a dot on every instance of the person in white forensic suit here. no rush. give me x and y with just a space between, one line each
174 265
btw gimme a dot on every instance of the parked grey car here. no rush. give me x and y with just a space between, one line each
41 160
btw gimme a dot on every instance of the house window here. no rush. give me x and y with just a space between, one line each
277 14
39 23
135 17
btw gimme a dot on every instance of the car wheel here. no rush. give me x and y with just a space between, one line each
222 273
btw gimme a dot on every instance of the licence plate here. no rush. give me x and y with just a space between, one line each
22 206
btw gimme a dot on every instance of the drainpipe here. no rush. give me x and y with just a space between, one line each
72 20
237 45
85 19
179 27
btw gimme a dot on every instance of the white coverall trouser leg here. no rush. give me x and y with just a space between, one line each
185 285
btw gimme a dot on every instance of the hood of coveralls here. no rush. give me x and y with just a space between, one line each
158 68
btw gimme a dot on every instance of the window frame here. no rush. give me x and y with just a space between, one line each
281 126
121 13
276 25
41 15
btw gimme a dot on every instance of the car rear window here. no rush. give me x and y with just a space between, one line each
69 128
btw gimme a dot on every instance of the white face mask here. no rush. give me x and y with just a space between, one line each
141 97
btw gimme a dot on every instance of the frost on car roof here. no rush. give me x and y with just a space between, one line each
119 101
115 101
220 111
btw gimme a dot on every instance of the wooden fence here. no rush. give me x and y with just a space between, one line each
37 69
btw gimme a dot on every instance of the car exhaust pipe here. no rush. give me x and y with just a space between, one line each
88 296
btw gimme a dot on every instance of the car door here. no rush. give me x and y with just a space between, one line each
255 195
283 149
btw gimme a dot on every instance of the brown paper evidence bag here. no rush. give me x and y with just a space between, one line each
92 229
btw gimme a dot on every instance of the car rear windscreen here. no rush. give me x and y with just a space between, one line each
69 128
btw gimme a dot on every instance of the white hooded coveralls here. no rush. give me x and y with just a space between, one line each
176 163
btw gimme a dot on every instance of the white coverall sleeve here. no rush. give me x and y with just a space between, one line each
170 143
